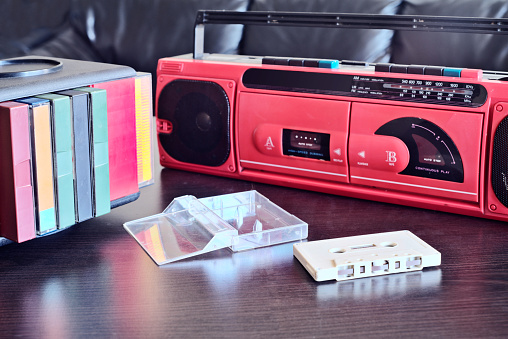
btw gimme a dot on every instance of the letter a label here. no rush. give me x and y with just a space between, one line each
269 143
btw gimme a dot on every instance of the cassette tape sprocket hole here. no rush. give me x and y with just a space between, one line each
388 244
337 250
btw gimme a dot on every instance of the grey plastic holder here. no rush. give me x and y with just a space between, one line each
191 226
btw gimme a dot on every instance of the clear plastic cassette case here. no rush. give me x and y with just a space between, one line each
190 226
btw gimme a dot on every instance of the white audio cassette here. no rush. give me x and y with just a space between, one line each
365 255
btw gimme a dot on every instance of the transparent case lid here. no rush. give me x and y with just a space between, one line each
190 226
259 221
185 228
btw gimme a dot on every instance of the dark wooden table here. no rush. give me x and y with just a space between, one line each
94 280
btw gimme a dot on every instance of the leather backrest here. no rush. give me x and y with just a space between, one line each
27 23
488 52
139 32
331 43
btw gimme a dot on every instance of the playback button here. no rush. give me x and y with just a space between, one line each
275 61
433 70
452 72
382 67
476 74
416 69
332 64
399 68
470 73
299 62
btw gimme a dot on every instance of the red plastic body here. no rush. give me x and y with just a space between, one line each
362 164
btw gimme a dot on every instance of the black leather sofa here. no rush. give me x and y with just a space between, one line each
139 32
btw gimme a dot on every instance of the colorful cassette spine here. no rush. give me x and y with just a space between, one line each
144 116
123 166
99 118
42 164
82 160
17 220
62 146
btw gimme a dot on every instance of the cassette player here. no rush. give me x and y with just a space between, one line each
423 136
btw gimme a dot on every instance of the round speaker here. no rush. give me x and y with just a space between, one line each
200 114
500 162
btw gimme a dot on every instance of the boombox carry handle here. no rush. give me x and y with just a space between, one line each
342 20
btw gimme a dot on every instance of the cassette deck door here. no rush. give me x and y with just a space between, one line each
442 150
302 137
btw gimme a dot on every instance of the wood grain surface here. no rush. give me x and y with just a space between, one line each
95 280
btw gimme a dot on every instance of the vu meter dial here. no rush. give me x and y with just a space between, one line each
432 153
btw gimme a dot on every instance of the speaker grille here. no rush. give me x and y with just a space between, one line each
200 114
500 162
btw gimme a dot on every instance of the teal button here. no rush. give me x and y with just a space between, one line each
328 63
452 72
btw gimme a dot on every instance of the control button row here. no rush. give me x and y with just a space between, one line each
354 63
320 63
431 70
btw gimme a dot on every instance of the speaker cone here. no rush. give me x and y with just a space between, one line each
500 162
200 114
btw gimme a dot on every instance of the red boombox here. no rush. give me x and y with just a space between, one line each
423 136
